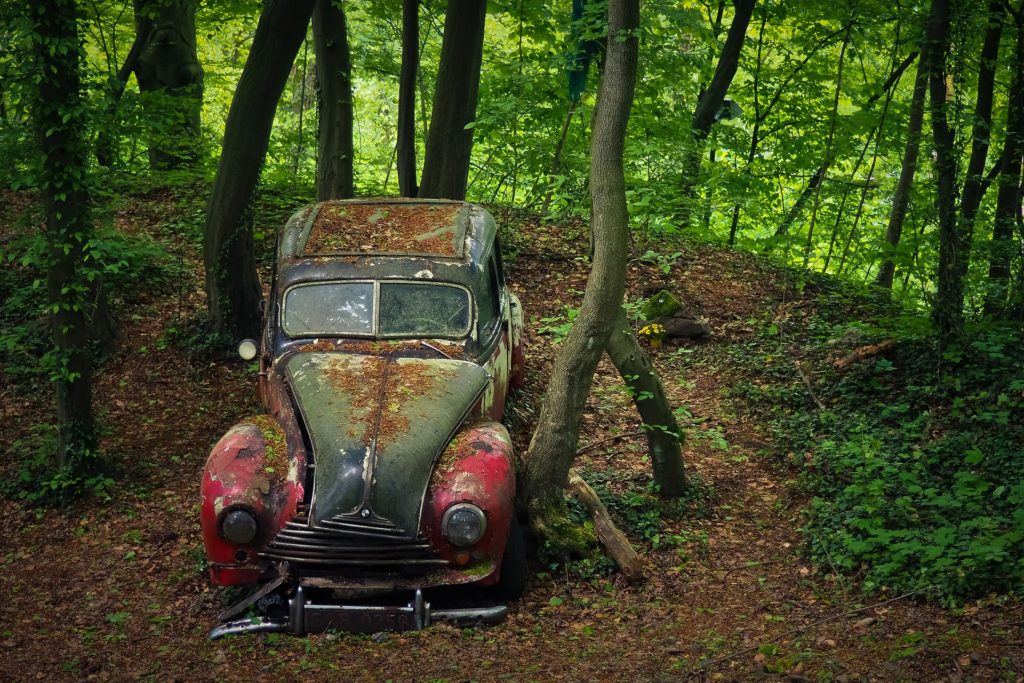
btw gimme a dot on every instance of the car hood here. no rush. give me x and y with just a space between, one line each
377 425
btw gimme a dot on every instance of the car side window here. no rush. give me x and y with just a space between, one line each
489 302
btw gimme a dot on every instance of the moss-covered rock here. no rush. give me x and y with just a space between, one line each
661 305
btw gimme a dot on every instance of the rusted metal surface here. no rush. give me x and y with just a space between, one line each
477 467
389 227
377 423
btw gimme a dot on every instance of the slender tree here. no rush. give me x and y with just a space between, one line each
554 443
334 178
406 146
232 284
1008 199
709 105
901 197
450 140
59 120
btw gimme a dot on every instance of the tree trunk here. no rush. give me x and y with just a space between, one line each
1008 199
809 246
106 140
553 446
710 104
334 79
232 284
168 70
59 119
948 308
450 142
901 197
974 183
664 440
556 158
406 149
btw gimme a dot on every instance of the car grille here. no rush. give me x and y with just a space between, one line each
348 541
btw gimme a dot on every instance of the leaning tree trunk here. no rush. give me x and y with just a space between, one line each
334 79
59 119
554 443
406 146
710 104
1008 200
975 183
169 72
450 141
901 197
232 284
948 308
664 440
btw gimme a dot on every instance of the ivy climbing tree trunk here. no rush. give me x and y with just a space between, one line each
450 141
406 146
59 119
171 77
664 440
554 444
334 178
232 284
948 307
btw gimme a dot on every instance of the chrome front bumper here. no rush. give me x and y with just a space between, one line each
305 617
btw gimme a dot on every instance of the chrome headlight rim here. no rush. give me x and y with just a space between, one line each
457 508
248 535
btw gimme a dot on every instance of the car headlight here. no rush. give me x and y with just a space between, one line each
239 526
463 524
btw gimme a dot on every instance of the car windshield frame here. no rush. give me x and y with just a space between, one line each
374 331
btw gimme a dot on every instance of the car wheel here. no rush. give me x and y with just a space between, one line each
512 582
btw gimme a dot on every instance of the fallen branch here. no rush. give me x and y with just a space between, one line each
614 541
594 445
810 387
863 352
704 668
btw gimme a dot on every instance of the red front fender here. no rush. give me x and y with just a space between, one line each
477 467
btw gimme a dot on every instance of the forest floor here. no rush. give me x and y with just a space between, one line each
115 589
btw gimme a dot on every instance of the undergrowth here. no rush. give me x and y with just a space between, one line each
913 460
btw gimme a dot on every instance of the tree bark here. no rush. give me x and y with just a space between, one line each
664 440
334 79
1008 199
168 70
554 443
615 542
974 183
710 104
948 308
59 119
450 142
901 197
232 284
406 148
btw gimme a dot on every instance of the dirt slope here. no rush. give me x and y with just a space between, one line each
114 590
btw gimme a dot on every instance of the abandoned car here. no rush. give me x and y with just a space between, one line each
380 468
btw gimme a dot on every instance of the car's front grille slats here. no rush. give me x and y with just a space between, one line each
348 541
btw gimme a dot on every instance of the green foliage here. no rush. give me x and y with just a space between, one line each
915 476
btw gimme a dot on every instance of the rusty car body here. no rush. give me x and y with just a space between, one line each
380 466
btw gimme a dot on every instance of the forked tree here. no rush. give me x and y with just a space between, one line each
552 449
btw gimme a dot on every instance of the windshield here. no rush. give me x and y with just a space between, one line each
404 309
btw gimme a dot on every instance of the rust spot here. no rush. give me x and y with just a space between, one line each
479 445
244 454
393 347
275 456
430 229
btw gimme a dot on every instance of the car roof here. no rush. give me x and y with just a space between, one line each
433 239
424 228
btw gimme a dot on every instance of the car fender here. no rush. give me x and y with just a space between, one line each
477 467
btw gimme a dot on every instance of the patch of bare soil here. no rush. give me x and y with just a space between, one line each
114 590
